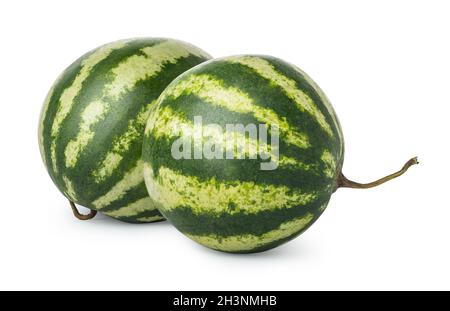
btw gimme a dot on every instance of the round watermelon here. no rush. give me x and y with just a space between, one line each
93 120
243 153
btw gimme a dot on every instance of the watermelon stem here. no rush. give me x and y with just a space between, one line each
80 216
343 182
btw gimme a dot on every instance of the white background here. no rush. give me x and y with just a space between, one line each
385 65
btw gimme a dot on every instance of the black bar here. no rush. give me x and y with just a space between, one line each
237 300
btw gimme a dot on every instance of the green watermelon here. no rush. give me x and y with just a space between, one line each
243 153
93 120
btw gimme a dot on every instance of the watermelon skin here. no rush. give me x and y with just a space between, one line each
93 120
232 205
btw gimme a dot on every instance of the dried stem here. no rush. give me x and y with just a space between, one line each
343 182
80 216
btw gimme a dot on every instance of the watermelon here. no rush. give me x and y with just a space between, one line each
243 153
93 120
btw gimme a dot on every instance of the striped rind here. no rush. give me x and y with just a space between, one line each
66 100
174 190
265 69
231 204
248 242
92 114
135 210
212 91
327 105
121 145
151 61
93 120
170 124
44 109
130 180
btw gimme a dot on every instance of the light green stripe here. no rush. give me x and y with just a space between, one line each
66 100
247 242
121 145
288 162
130 180
42 118
70 191
150 219
132 209
53 155
169 124
92 114
330 163
327 104
322 207
289 86
213 91
173 190
141 67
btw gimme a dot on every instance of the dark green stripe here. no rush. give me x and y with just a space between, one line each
225 224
